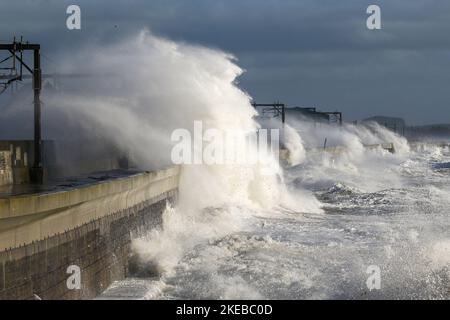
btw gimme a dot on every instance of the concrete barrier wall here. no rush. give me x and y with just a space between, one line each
61 158
20 158
6 175
90 227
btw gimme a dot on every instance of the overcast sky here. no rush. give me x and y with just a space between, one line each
302 52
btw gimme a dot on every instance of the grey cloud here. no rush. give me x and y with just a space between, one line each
307 52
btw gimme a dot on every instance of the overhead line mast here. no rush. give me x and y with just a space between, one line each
16 50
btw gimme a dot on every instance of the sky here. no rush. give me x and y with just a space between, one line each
301 52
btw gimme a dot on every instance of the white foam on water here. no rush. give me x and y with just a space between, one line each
169 86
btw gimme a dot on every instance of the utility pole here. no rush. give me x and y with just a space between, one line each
37 172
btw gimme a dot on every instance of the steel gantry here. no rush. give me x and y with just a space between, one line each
14 72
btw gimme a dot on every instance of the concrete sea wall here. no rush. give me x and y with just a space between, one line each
90 227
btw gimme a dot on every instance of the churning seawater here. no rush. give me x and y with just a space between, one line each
382 211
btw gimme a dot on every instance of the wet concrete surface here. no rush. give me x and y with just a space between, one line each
66 183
